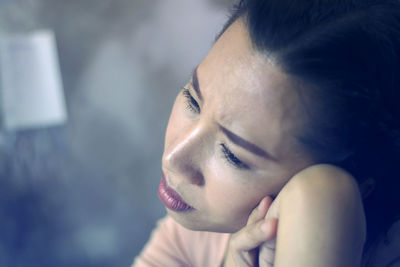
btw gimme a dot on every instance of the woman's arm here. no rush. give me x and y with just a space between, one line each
321 220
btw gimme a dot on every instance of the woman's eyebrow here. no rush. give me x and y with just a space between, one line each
246 144
195 83
232 136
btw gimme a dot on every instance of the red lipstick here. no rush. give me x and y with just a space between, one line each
171 199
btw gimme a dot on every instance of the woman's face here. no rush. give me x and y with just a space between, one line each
230 140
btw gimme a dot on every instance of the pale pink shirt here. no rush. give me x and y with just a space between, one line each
172 245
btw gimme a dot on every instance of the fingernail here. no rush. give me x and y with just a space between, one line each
262 203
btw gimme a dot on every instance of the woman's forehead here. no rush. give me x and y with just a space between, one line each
245 91
235 70
239 72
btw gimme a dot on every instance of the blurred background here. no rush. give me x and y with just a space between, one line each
83 191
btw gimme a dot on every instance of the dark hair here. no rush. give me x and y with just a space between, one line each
345 55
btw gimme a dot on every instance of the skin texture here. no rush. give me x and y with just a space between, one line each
246 95
321 223
240 90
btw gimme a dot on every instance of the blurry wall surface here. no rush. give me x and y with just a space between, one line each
85 193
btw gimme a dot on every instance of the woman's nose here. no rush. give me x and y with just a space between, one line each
184 155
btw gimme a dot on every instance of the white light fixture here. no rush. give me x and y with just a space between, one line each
31 93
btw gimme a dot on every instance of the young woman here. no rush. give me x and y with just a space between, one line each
283 149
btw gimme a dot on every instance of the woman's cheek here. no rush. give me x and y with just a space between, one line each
227 192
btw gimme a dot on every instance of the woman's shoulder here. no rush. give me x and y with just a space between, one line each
325 189
324 183
328 177
326 205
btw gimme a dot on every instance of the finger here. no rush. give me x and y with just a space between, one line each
245 244
271 243
260 211
266 258
252 236
266 254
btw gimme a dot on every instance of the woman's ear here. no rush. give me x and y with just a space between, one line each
366 187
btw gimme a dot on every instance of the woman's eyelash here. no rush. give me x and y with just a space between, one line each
191 103
232 159
193 106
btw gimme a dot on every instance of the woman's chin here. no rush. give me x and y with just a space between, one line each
194 222
189 220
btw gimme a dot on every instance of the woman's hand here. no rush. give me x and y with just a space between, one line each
254 244
326 205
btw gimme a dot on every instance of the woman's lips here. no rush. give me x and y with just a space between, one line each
171 199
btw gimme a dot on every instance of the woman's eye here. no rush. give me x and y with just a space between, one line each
191 103
232 159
